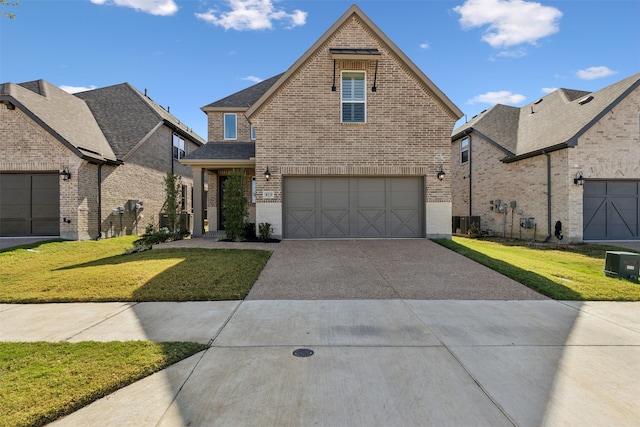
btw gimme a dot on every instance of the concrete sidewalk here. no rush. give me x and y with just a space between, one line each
375 362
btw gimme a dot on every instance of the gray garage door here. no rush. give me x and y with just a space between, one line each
29 205
611 210
353 207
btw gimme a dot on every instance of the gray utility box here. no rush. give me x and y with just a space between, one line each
622 264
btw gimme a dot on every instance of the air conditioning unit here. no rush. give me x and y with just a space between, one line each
622 264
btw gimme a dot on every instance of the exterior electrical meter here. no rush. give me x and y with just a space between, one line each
622 264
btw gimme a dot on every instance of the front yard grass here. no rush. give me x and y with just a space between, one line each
40 382
562 272
97 271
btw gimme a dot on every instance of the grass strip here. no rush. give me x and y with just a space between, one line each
562 272
40 382
91 271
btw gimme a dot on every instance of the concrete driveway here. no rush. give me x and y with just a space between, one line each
379 269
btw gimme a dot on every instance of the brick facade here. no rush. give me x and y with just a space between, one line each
29 148
299 130
608 150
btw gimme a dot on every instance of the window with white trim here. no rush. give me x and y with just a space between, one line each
464 150
230 126
353 96
253 133
178 147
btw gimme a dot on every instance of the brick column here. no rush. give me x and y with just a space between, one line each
198 200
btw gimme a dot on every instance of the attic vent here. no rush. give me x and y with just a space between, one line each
538 101
585 100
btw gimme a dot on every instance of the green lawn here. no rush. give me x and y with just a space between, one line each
98 271
563 272
40 382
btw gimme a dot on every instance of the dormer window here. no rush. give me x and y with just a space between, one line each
353 97
230 126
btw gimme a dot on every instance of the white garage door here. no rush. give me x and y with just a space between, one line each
363 207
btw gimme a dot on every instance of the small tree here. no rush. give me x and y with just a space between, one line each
234 207
172 204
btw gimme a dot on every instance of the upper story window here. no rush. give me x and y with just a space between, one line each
178 147
464 150
253 133
353 97
230 126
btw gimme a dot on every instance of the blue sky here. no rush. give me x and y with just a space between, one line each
189 53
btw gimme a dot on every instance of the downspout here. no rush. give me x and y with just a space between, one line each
548 196
470 173
99 202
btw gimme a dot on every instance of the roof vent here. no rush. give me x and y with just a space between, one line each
538 101
585 100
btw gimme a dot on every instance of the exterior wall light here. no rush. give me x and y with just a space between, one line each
65 174
579 179
440 174
267 174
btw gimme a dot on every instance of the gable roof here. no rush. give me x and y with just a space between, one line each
553 122
242 100
64 116
354 10
127 117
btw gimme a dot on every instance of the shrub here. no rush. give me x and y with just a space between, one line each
234 208
474 231
264 231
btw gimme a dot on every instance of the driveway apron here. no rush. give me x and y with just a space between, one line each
379 269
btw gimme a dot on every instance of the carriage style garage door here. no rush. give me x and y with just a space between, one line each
29 205
611 210
339 207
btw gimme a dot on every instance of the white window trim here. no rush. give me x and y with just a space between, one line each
182 147
235 117
342 102
253 133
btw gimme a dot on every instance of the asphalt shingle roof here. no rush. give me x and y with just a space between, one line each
556 119
66 115
224 151
126 116
246 97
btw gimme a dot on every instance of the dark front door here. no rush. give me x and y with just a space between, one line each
221 181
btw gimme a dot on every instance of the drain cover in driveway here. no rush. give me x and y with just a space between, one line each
303 352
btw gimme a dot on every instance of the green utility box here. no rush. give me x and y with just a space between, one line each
622 264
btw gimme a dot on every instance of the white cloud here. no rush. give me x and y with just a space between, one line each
510 22
253 79
153 7
425 45
252 15
549 89
500 97
514 53
76 89
595 73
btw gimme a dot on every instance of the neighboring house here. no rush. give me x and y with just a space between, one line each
565 167
352 135
72 160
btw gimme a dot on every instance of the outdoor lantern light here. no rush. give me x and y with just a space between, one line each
65 174
579 179
440 174
267 174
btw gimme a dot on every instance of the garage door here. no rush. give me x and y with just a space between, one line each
611 210
353 207
29 205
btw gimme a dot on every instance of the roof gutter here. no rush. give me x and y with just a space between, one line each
557 147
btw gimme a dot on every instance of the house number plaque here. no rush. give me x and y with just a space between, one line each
268 194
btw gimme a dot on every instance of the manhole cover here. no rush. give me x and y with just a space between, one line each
303 352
